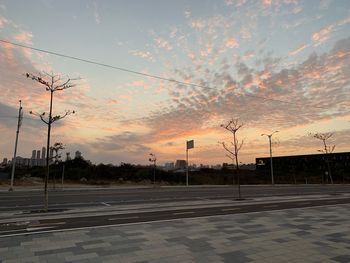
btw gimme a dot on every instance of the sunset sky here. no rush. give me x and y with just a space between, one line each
275 64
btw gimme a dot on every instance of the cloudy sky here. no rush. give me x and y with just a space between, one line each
275 64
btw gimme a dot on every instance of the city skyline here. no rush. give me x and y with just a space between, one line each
276 65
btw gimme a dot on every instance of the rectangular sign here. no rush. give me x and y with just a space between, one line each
190 144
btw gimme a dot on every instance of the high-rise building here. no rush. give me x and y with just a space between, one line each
180 164
77 154
169 166
43 153
51 153
33 159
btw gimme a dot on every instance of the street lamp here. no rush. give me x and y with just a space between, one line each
269 136
153 160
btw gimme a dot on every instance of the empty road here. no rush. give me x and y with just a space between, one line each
67 199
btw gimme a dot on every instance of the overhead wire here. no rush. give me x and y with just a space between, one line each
146 74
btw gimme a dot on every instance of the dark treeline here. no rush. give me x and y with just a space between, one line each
80 170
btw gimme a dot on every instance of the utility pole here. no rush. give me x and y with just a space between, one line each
19 123
270 142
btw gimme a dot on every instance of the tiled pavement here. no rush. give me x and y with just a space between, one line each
319 234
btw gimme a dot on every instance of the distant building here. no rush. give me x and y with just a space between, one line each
33 159
311 164
43 153
216 167
51 153
78 154
22 162
180 165
169 166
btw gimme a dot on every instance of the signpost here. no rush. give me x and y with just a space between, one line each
189 145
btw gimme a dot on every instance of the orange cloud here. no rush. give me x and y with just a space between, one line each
24 37
322 35
142 54
231 43
267 2
162 43
298 50
3 22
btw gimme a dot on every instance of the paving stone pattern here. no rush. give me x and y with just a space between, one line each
320 234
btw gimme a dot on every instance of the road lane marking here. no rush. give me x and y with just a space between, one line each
145 222
231 209
38 228
10 231
48 224
270 206
123 218
105 204
183 213
204 199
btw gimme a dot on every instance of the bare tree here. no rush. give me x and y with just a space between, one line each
233 148
327 149
52 83
58 146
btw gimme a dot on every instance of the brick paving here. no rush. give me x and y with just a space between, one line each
318 234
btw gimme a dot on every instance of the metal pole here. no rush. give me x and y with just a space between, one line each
272 179
63 174
270 142
186 166
16 142
154 173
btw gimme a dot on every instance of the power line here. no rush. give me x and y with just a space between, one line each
145 74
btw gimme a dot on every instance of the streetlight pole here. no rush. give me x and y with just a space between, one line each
19 123
186 167
153 160
270 142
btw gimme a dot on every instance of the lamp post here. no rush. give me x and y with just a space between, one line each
153 160
269 136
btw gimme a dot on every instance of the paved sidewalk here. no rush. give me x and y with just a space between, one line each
319 234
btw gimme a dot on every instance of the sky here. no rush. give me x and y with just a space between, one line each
273 64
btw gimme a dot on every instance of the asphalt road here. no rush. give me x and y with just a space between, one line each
48 225
67 199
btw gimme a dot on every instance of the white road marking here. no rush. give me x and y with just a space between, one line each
230 209
48 224
149 222
38 228
15 230
123 218
183 213
270 206
105 204
205 199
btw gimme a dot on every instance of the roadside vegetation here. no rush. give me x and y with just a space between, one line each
80 171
